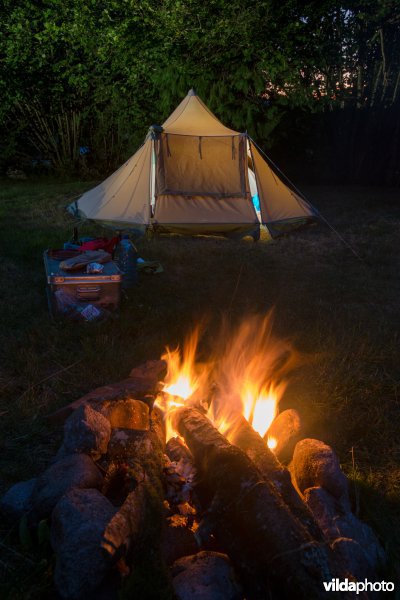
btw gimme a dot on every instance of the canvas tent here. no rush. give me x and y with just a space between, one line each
194 175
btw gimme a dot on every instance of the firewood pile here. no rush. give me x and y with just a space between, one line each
231 519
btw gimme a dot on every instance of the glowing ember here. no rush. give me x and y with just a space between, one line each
272 443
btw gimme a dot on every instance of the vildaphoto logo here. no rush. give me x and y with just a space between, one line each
338 585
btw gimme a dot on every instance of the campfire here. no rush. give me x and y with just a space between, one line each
245 378
249 508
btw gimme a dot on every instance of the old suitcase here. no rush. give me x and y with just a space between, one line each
71 292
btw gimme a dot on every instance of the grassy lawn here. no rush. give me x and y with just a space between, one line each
342 312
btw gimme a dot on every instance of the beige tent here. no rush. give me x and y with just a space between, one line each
195 175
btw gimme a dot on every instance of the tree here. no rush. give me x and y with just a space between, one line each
94 73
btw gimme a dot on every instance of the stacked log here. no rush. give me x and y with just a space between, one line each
255 447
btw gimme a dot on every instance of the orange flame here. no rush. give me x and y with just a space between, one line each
248 368
261 407
183 380
250 375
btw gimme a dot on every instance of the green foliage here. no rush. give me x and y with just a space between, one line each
120 66
74 60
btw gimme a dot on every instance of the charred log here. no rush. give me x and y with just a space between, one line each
248 440
176 451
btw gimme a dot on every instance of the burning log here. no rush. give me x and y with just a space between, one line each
157 426
177 451
248 440
268 544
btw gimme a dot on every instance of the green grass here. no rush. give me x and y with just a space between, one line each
341 311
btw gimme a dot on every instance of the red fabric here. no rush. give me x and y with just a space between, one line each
101 244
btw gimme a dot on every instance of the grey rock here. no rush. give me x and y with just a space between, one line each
74 471
144 378
17 501
86 431
205 576
325 509
338 523
350 526
286 430
316 464
353 559
78 523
